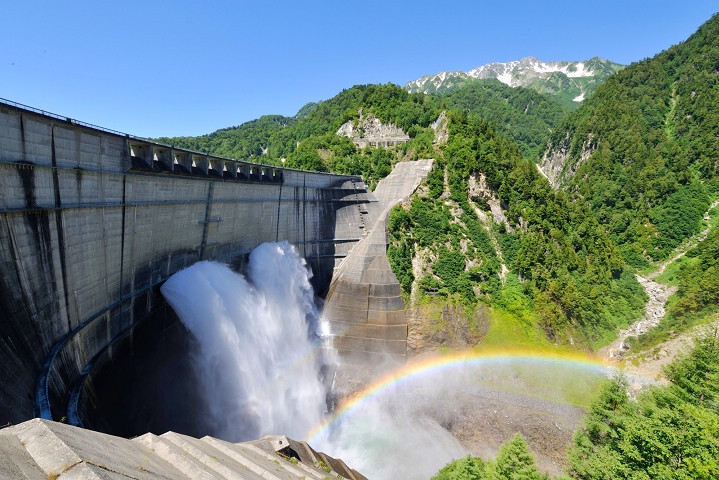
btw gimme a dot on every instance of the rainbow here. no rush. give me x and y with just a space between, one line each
443 362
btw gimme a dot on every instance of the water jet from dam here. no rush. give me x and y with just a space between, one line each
261 362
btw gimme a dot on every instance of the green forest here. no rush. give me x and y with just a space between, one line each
650 131
573 276
523 114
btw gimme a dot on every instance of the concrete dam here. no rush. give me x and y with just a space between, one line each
93 221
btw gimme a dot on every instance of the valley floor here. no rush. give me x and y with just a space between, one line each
649 364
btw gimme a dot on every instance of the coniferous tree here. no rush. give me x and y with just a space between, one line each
514 462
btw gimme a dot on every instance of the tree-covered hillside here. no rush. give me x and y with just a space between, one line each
249 140
308 140
695 277
547 259
668 433
523 114
643 149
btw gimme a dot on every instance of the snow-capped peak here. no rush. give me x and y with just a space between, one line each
510 73
570 80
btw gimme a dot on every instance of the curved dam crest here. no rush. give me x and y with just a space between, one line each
93 221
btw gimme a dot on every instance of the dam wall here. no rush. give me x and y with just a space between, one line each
93 221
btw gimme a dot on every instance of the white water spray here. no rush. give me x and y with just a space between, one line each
260 361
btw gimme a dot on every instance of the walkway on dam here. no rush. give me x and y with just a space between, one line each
42 449
364 304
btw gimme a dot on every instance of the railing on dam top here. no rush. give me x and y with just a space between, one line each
156 157
149 155
69 120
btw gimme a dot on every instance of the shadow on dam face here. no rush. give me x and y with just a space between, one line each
149 384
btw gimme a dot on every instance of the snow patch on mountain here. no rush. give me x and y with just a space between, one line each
505 78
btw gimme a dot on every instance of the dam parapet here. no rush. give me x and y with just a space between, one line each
92 222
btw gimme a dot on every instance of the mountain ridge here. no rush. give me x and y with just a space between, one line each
569 81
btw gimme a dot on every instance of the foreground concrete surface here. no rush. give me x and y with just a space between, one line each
42 449
364 303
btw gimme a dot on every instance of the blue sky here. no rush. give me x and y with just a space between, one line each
191 67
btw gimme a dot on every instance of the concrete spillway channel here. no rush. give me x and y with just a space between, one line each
364 304
92 222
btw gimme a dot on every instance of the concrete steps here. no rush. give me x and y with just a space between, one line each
41 449
190 461
16 462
